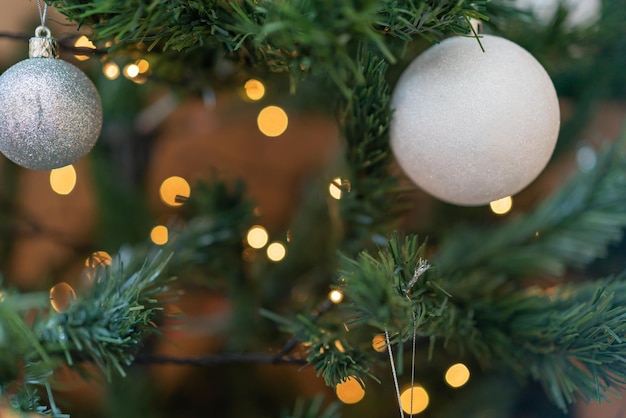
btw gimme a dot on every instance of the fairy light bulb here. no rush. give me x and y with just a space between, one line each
335 296
63 180
172 189
414 400
111 70
457 375
159 235
257 237
83 42
272 121
131 71
379 343
254 89
501 206
350 390
276 251
334 190
61 297
98 259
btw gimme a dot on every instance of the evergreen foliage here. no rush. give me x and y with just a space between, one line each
468 295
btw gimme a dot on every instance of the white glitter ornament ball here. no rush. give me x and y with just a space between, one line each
50 113
470 127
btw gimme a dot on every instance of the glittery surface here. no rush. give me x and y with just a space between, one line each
472 127
50 113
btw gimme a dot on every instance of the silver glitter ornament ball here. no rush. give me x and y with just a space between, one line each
50 113
470 127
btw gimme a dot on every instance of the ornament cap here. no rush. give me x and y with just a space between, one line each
43 45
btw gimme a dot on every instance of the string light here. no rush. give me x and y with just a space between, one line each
457 375
339 346
350 390
63 180
501 206
171 188
276 251
131 71
97 259
143 66
272 121
254 89
334 190
335 296
61 297
419 401
379 343
111 70
257 237
159 235
83 42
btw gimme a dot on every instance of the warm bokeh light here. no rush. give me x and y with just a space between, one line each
143 66
257 237
255 90
457 375
272 121
171 188
131 71
61 296
334 190
419 400
339 346
111 70
501 206
350 391
159 235
83 42
335 296
379 343
63 180
276 251
98 259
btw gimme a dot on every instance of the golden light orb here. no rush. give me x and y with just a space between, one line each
254 89
276 251
457 375
172 188
414 400
159 235
111 70
83 42
63 180
272 121
257 237
501 206
350 390
61 296
335 296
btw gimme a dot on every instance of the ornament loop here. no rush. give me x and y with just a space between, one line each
42 32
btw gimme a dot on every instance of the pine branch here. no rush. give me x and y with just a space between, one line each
368 205
297 37
568 230
569 338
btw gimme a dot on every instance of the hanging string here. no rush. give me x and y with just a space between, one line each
393 372
413 361
42 14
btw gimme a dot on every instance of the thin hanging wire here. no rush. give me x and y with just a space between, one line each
393 372
413 361
42 13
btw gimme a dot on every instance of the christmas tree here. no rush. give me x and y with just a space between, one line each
244 239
